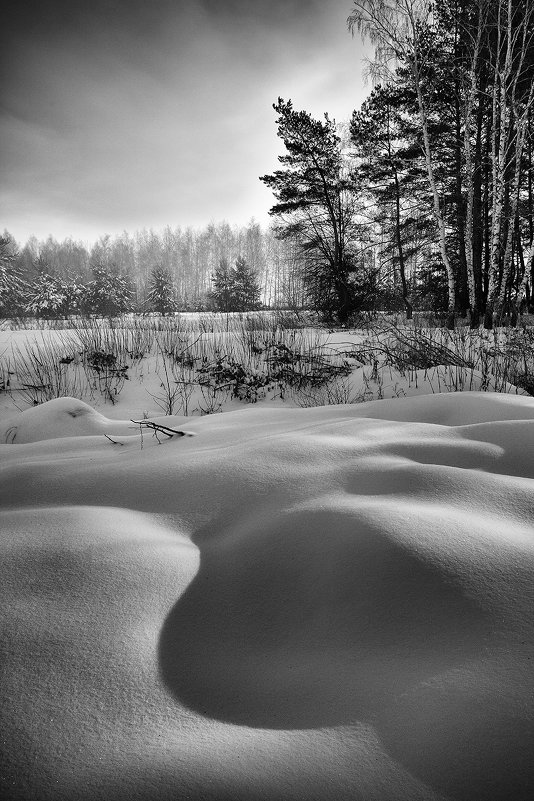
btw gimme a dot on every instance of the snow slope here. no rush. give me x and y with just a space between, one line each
324 603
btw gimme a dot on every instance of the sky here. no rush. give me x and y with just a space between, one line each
116 115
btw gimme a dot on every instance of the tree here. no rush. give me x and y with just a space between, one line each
161 291
511 54
400 32
470 65
316 205
246 289
11 283
390 179
49 294
46 296
222 292
108 294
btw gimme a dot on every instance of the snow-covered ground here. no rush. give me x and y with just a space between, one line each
190 372
318 604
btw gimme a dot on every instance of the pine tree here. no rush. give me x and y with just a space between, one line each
316 204
246 289
161 291
12 286
108 294
74 290
46 296
222 294
387 172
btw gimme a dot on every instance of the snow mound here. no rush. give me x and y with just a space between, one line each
66 417
302 604
62 417
452 408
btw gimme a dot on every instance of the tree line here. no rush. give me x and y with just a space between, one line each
216 268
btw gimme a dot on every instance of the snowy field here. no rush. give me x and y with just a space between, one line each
205 364
304 604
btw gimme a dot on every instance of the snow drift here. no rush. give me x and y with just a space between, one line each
320 603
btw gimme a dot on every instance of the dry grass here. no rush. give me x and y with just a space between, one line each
214 358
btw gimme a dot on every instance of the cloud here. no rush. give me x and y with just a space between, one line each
128 114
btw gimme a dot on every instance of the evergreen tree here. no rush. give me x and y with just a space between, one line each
73 290
12 286
46 296
222 294
388 173
108 294
246 289
161 291
316 204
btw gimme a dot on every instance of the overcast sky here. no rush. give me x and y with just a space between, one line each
123 114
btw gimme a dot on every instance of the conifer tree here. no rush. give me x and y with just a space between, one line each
12 286
390 176
315 204
246 289
46 296
108 294
222 294
161 291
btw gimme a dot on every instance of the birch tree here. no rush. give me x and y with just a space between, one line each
511 53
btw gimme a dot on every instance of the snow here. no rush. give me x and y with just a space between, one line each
151 383
300 604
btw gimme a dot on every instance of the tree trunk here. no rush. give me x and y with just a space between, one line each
438 217
473 175
398 236
402 268
500 135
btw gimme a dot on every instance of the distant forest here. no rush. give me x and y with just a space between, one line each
190 257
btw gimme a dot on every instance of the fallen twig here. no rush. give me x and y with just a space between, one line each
157 427
113 441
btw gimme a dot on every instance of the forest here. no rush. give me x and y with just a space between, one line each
423 200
